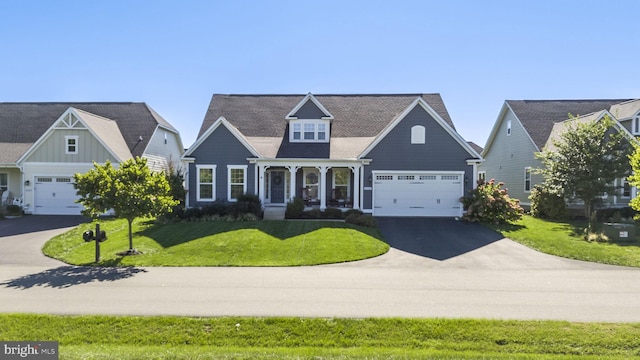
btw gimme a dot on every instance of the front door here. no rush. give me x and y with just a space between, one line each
277 187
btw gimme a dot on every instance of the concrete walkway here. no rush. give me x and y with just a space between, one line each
501 279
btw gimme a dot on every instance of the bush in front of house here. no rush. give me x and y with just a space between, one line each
14 210
547 205
332 213
361 219
247 207
295 208
489 203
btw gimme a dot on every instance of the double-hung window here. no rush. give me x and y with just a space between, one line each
635 128
237 181
296 131
311 182
71 145
206 182
527 179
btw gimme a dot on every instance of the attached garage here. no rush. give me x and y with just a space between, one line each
55 195
425 193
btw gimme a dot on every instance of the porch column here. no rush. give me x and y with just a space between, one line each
261 189
322 191
356 186
293 170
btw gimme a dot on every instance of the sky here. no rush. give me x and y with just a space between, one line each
174 55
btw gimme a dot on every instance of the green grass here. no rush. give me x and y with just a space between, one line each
105 337
221 243
566 239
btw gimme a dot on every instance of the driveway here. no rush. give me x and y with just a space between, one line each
477 275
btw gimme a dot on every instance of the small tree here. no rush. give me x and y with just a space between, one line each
634 178
587 159
489 203
131 190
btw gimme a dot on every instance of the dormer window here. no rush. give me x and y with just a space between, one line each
309 131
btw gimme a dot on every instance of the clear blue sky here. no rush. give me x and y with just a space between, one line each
175 54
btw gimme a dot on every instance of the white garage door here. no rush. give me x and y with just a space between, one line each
55 195
417 194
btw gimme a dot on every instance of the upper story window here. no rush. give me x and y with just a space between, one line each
309 131
71 144
635 125
508 127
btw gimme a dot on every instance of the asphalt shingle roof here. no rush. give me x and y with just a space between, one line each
539 116
354 115
25 123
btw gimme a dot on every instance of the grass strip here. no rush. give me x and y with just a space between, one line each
107 337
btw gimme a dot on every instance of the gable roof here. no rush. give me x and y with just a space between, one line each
354 115
356 119
625 110
539 116
22 124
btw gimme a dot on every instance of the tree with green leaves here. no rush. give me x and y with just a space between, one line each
132 190
634 178
585 161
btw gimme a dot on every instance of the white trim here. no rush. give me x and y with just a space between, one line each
309 96
244 182
213 181
419 101
75 138
235 132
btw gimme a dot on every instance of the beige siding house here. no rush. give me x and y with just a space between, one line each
42 145
525 127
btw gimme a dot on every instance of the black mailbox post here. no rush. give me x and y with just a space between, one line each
99 236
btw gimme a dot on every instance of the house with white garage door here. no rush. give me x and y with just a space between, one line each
385 154
42 145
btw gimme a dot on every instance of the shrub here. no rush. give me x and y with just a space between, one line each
547 205
313 214
247 204
14 210
295 208
362 220
333 213
352 211
491 204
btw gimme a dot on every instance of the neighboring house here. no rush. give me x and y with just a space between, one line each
389 155
42 145
524 127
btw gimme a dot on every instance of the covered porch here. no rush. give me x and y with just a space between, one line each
320 183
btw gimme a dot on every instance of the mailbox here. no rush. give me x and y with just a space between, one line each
99 236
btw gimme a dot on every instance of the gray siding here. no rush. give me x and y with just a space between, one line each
53 148
164 147
309 111
440 152
509 155
221 148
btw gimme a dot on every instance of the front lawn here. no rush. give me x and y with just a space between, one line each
565 238
221 243
122 338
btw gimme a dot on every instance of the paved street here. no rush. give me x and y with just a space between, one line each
488 277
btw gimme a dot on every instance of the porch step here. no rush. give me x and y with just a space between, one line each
274 213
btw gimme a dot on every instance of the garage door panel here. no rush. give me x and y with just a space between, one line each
55 196
417 194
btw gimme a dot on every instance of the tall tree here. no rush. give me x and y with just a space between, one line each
587 159
132 190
